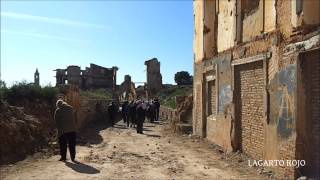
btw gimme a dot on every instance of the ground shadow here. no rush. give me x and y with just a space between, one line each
82 168
149 126
152 135
145 129
158 122
90 134
120 127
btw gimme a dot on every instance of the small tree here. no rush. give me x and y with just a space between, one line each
183 78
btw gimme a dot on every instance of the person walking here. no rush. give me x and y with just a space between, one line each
152 111
112 111
133 114
64 117
140 116
157 108
124 108
129 113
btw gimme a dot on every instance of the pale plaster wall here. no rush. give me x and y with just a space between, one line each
198 30
270 15
218 131
226 24
253 23
294 17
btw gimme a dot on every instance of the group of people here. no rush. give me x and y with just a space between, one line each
133 113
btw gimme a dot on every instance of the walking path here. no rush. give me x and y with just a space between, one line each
120 153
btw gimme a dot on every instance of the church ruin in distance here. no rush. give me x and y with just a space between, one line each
92 77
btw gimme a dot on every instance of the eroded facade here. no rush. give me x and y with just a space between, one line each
92 77
256 79
154 77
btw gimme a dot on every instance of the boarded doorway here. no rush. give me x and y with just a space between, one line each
308 127
249 83
211 106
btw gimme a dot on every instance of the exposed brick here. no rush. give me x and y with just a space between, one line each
249 83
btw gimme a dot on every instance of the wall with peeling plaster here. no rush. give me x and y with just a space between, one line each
283 124
226 25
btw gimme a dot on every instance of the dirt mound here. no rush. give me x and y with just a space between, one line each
20 134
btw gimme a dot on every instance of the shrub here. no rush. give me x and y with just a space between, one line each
96 94
167 96
21 91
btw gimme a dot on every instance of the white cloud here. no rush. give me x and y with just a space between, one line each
52 20
37 35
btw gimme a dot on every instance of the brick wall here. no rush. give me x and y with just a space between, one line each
287 152
311 85
167 113
212 106
249 87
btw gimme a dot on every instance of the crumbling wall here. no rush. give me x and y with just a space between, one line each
281 130
266 108
154 77
252 20
127 89
226 25
184 109
210 29
90 78
284 15
166 113
221 119
73 75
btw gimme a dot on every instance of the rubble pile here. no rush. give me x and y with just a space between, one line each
20 134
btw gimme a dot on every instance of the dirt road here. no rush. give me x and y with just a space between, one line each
120 153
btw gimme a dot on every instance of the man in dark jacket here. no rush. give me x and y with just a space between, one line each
140 116
65 119
132 113
124 108
152 111
129 113
157 108
112 111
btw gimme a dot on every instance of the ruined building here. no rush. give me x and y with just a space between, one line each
37 78
127 90
256 79
154 77
91 78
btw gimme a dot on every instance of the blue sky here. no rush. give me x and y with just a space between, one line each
54 34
